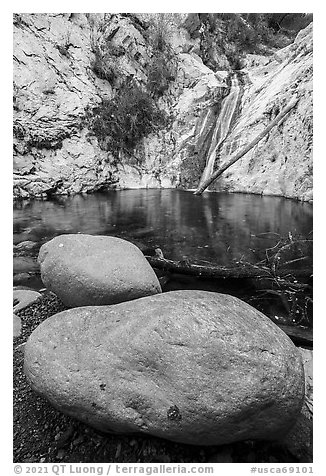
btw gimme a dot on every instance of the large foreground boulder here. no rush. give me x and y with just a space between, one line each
190 366
86 270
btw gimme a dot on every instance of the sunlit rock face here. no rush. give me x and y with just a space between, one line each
281 164
53 86
56 87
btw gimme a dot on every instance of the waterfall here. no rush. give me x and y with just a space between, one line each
222 126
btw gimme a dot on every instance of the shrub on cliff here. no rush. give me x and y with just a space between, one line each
121 123
104 64
162 68
161 72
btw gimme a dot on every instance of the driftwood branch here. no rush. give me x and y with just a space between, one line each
298 335
246 149
245 271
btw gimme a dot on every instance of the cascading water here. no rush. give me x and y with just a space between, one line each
222 126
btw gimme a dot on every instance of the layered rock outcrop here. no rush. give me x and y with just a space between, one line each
190 366
59 80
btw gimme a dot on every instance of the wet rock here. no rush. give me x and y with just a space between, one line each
21 277
85 270
190 366
17 325
24 264
24 298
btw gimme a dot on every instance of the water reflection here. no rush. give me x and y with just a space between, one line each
216 227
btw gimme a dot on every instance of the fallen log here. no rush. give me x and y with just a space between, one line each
215 272
246 149
299 335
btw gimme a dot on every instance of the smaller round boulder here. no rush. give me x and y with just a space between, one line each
24 297
86 270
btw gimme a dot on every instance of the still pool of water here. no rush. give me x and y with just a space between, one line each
215 227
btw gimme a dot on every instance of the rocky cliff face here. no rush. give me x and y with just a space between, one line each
55 87
57 84
281 164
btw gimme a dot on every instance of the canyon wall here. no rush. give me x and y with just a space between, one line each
58 85
281 164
